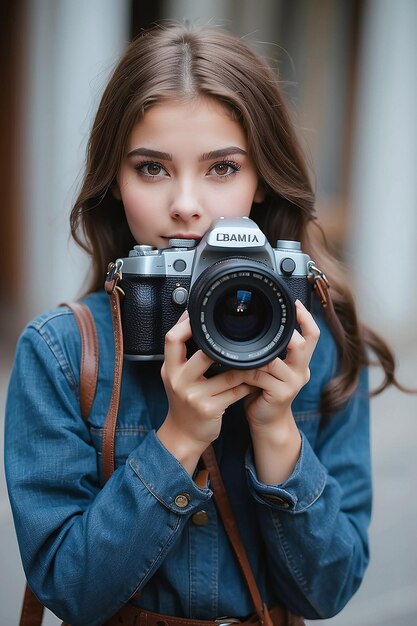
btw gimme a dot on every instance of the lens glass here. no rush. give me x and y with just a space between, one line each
242 314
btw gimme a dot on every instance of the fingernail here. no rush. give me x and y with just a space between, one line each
183 316
299 304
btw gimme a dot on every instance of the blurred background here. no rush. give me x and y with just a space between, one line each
350 72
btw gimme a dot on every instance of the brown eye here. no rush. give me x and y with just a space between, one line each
221 169
153 169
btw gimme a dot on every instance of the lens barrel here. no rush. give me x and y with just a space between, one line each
241 313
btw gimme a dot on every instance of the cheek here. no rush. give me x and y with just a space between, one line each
240 199
134 201
134 210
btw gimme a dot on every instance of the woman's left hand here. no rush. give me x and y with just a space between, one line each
281 380
275 436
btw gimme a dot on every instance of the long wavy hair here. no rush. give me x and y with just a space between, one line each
175 61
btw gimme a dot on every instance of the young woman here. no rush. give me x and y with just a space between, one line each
192 126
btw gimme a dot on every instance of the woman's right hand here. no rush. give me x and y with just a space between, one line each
196 403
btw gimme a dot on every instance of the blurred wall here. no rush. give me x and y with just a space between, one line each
68 50
383 235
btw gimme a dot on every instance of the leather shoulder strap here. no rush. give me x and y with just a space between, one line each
111 418
89 355
33 610
89 371
223 506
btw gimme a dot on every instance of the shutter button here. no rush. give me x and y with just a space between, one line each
180 295
182 500
200 518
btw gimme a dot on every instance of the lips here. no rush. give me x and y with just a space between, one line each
183 236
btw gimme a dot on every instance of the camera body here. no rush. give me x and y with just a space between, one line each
239 292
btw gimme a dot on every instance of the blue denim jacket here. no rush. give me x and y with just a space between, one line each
87 549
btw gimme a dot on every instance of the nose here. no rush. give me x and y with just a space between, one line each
185 205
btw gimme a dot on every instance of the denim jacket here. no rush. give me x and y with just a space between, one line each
86 549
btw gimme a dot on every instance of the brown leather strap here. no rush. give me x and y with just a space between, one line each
32 609
89 355
201 479
134 616
223 505
89 371
322 289
111 418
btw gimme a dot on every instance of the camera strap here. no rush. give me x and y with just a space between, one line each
229 522
321 287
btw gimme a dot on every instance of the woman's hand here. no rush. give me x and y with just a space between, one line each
196 403
281 380
275 436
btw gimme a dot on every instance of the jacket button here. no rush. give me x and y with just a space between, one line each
284 503
182 500
200 518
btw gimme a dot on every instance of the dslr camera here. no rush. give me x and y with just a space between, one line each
239 292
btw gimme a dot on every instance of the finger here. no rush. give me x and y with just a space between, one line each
299 352
309 329
233 395
267 377
278 382
301 346
183 316
278 369
197 365
175 351
224 381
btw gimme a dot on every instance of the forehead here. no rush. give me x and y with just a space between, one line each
201 121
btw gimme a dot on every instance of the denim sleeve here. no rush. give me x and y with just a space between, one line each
85 549
315 523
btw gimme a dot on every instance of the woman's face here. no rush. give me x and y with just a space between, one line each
186 164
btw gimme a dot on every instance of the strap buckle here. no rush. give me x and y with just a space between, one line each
114 274
320 282
317 274
226 621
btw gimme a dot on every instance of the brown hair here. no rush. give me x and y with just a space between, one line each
173 61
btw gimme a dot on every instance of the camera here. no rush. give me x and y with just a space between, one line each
239 292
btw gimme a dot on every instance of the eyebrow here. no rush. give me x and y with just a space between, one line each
216 154
206 156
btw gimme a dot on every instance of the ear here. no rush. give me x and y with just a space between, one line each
260 193
115 190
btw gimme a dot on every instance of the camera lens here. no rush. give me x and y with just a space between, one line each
242 314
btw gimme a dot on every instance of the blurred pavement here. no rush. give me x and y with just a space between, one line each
388 595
